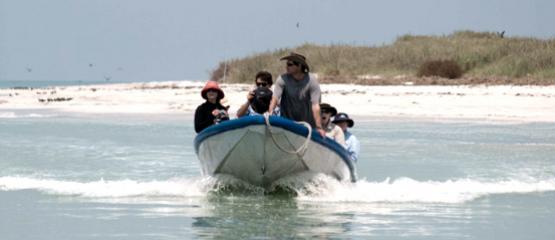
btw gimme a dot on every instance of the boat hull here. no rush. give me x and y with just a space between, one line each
248 149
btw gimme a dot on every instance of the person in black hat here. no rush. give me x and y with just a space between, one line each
332 131
298 93
258 99
352 144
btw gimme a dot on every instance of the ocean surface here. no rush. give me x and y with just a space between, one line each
42 84
53 83
72 176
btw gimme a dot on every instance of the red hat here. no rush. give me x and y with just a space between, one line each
212 85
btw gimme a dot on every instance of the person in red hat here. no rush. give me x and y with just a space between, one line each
298 93
212 111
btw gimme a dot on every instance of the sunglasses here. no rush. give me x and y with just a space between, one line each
261 84
289 64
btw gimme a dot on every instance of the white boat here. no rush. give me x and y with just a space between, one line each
261 150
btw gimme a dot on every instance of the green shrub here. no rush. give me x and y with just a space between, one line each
440 68
478 54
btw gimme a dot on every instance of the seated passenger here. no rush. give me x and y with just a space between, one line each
332 131
353 145
212 111
262 79
260 103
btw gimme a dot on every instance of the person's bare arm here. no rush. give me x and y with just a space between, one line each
278 90
273 105
318 119
243 109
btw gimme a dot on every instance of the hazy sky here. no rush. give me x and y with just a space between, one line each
140 40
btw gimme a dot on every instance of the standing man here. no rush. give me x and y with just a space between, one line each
298 93
352 144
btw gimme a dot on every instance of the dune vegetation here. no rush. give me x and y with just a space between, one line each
468 57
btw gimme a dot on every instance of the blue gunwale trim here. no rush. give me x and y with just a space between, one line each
276 121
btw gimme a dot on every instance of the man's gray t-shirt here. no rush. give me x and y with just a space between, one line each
297 96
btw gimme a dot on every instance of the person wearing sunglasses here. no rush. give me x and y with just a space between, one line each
263 81
298 93
332 131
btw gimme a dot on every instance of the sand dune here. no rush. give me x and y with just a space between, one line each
495 103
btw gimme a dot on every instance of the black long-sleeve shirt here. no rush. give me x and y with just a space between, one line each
204 117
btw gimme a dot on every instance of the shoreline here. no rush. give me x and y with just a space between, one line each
502 103
189 116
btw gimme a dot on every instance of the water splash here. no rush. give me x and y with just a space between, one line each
319 188
409 190
115 189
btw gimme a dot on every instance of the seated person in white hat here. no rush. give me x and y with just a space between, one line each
353 145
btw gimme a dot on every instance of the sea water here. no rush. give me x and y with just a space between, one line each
71 176
45 84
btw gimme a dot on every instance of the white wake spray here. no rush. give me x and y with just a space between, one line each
115 189
319 188
409 190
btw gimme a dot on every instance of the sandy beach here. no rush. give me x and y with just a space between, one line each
484 103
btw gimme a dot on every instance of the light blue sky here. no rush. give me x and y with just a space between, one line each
140 40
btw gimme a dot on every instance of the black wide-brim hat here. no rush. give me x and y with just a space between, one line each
298 58
343 117
328 108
